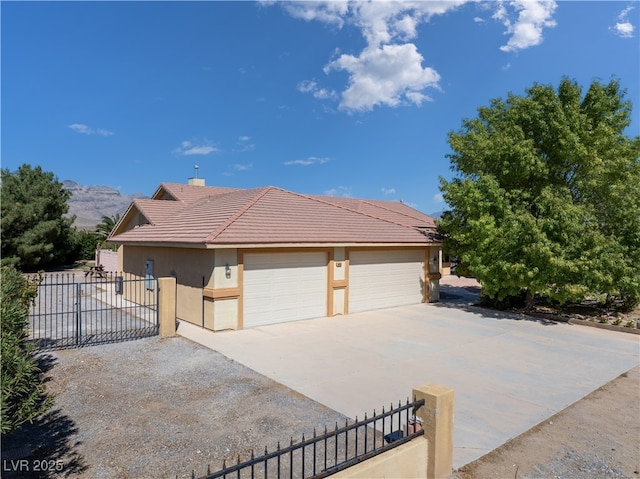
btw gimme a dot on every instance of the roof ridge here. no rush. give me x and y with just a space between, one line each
377 205
319 198
136 202
238 213
166 190
208 190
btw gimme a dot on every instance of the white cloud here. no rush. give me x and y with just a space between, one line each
241 167
312 160
244 144
388 191
343 191
309 86
331 12
87 130
532 17
393 21
188 148
438 198
389 70
387 75
624 28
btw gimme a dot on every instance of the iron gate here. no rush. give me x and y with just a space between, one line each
75 310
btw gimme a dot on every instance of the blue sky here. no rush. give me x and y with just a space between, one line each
343 98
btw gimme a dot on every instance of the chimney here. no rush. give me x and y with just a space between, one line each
195 181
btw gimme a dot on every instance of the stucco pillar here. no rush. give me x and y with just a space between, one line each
434 262
167 306
437 421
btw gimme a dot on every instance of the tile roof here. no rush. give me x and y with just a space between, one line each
190 193
157 211
391 210
224 216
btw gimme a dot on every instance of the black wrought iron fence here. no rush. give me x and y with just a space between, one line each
329 451
78 309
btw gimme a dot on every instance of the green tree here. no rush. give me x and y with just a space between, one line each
546 197
86 244
106 225
35 232
23 397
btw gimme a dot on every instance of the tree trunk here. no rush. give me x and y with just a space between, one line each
529 300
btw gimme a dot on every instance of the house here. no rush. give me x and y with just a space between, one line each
250 257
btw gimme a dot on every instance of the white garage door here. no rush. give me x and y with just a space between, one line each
384 279
280 287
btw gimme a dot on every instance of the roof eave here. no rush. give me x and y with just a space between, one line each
346 244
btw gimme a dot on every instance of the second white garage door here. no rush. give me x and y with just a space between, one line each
384 279
281 287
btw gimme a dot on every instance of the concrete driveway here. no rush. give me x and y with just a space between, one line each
509 373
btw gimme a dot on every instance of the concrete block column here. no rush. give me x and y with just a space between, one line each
167 306
437 421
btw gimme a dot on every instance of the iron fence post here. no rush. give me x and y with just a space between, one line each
78 305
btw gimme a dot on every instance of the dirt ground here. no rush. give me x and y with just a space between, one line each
596 438
158 408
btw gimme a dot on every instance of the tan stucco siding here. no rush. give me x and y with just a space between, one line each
190 267
210 287
407 460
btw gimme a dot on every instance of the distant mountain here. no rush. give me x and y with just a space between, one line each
91 203
437 214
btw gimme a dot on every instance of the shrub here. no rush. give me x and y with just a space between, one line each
23 394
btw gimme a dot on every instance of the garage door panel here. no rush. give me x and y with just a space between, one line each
284 287
385 279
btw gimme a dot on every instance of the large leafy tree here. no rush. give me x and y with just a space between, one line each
546 196
35 231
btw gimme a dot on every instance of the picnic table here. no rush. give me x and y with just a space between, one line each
96 270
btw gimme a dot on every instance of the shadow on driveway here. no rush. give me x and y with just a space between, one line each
467 298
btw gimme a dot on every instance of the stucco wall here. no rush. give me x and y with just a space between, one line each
210 282
408 460
108 259
191 267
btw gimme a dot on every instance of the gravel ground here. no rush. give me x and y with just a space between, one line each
161 408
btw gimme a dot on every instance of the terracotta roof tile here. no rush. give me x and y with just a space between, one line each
157 211
272 215
191 193
390 210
